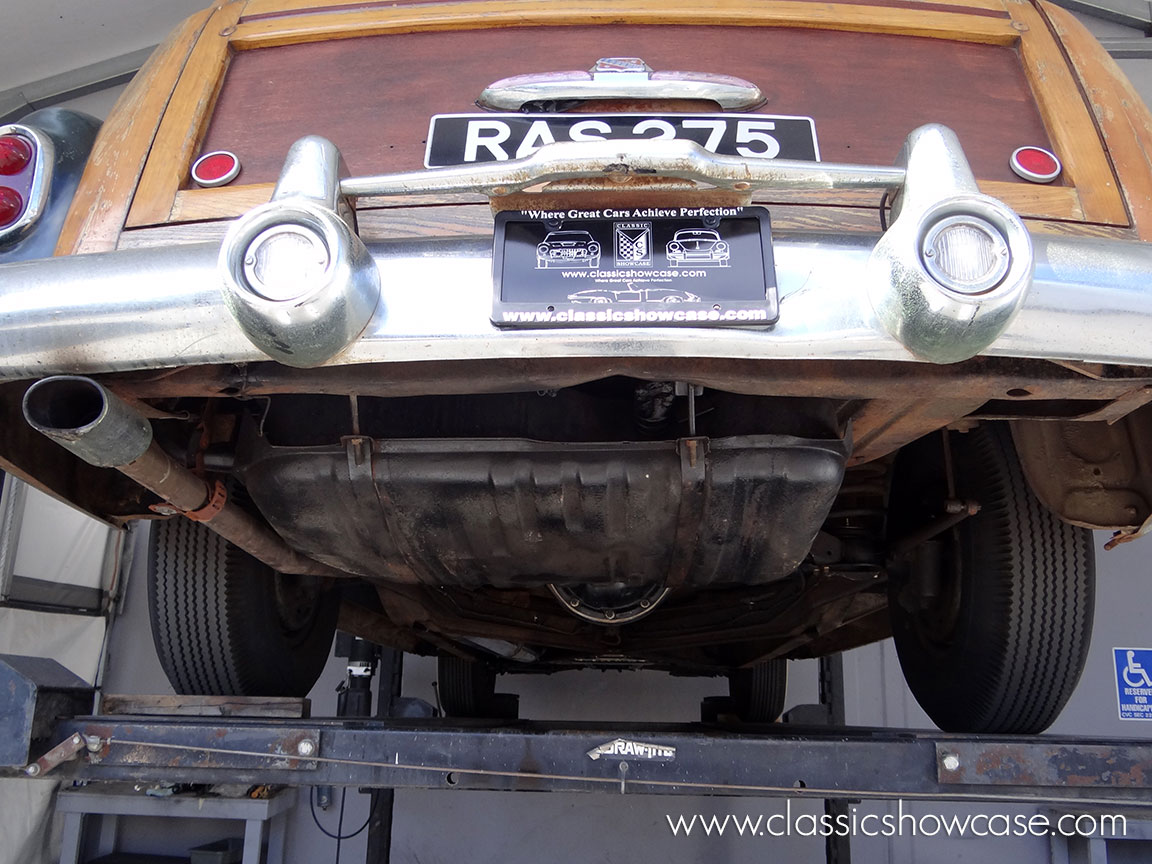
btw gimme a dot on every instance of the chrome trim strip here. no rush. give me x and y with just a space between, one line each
619 160
154 308
619 78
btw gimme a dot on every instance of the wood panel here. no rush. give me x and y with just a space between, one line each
205 706
268 32
1070 124
1124 119
1030 201
226 202
866 92
280 8
866 89
100 206
179 135
476 220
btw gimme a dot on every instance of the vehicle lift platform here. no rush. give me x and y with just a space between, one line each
44 713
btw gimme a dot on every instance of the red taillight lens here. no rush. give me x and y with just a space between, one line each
15 154
11 205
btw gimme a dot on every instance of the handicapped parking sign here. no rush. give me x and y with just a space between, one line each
1134 682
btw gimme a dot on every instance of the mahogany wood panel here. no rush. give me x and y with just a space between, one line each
373 96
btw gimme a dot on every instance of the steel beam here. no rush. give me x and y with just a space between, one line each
671 760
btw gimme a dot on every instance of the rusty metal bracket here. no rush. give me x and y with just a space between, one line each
1039 763
65 751
1127 536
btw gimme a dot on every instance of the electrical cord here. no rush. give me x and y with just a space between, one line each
883 214
338 836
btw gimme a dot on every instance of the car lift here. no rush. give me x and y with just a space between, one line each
42 704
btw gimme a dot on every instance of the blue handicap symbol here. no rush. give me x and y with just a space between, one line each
1134 682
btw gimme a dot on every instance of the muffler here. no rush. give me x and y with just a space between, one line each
89 421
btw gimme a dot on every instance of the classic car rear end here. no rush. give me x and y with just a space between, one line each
783 328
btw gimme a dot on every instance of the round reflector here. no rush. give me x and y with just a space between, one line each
216 169
15 154
1035 164
285 262
966 254
11 206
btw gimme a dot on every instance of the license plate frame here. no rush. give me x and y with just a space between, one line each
468 139
634 267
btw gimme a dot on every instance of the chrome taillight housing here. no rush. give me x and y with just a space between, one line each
26 159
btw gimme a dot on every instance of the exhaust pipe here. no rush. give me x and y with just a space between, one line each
94 424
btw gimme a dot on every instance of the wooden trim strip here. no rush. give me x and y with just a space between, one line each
990 9
1124 119
104 195
186 119
1043 202
277 8
1046 202
1071 126
477 14
227 202
442 220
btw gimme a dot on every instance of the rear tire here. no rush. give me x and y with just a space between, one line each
1000 646
226 624
758 693
466 688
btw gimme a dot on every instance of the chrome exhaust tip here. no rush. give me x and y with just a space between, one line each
83 417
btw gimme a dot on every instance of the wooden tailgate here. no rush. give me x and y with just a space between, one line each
369 76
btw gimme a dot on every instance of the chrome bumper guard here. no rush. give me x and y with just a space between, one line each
841 296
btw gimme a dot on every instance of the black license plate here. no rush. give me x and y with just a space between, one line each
634 267
460 139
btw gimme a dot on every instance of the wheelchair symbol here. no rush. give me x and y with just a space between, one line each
1135 675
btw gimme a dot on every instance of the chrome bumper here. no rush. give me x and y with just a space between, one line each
841 297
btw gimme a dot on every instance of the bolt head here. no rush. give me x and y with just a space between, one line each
32 770
306 748
951 762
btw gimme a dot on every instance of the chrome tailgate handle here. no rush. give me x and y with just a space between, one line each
619 78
